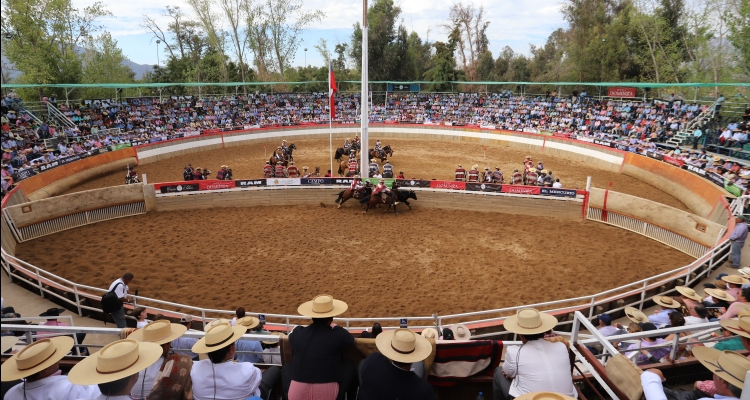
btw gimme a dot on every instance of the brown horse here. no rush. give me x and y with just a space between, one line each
284 162
347 194
387 152
374 200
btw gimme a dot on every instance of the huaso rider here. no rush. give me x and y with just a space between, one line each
382 188
356 185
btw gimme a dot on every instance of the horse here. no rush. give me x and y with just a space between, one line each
284 162
288 152
341 153
403 197
347 194
387 152
373 201
343 166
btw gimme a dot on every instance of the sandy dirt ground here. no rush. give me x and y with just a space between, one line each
426 159
424 261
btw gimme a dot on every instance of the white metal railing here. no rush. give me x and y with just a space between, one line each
75 220
739 204
649 230
58 116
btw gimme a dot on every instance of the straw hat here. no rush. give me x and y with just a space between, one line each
728 365
543 396
745 271
279 334
159 332
635 315
735 279
719 294
248 322
461 332
689 293
322 306
666 301
544 171
217 337
7 343
116 360
403 345
738 326
430 333
529 321
36 357
217 322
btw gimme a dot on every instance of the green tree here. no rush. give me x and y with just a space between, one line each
443 64
738 20
103 63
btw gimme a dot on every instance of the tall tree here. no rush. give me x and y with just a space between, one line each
103 63
287 19
443 64
738 22
473 41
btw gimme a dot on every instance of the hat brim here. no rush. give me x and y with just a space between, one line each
713 293
85 373
10 371
543 396
177 331
461 338
548 322
709 357
422 348
742 281
673 304
733 325
253 322
429 333
683 292
7 343
306 309
200 346
636 315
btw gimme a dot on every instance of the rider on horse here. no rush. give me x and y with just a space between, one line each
378 148
460 173
187 175
352 165
539 167
356 186
387 170
268 170
284 148
347 144
280 171
528 164
382 189
292 171
279 155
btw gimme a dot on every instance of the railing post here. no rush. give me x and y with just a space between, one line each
203 318
673 351
87 217
78 301
574 330
687 276
29 339
39 283
643 296
591 307
287 325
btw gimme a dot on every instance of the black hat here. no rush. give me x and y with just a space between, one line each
52 312
448 334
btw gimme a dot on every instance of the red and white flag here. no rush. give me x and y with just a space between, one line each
332 89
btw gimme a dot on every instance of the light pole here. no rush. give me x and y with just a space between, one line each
158 62
305 57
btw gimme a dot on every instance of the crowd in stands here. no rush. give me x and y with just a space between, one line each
635 125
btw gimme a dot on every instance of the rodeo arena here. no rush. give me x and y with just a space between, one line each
409 245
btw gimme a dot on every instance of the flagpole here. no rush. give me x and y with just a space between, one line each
365 148
330 119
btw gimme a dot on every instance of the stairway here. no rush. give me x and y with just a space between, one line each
698 122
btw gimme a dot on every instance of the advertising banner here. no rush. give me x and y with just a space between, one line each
606 143
696 170
283 182
484 187
188 187
215 185
192 133
487 126
342 181
674 161
137 142
316 181
557 192
621 92
120 146
715 178
211 131
375 181
454 185
655 156
26 173
518 189
413 183
250 183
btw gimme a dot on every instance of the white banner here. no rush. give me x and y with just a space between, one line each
283 182
248 127
487 126
192 133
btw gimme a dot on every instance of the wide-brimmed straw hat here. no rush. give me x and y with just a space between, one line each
688 292
738 326
635 315
403 345
461 332
666 301
116 360
728 365
744 271
159 332
36 357
430 333
248 322
529 321
719 294
279 334
217 322
474 166
217 337
322 306
7 343
544 396
735 279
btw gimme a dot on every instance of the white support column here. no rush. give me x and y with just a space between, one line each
364 106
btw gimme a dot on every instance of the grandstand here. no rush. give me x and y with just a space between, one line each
59 149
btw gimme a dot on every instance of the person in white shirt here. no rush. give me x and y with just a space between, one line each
271 353
726 135
219 377
557 184
729 369
38 364
537 365
698 315
115 368
120 287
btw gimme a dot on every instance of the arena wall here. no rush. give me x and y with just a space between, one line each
41 210
469 201
691 226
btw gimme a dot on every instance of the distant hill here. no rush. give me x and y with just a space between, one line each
139 69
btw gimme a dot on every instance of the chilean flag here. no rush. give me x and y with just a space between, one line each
332 89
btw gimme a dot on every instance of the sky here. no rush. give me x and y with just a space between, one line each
514 23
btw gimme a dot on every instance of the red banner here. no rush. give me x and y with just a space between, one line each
448 185
390 121
621 92
211 131
674 161
518 189
215 185
562 135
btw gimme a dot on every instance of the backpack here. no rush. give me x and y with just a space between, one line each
110 301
